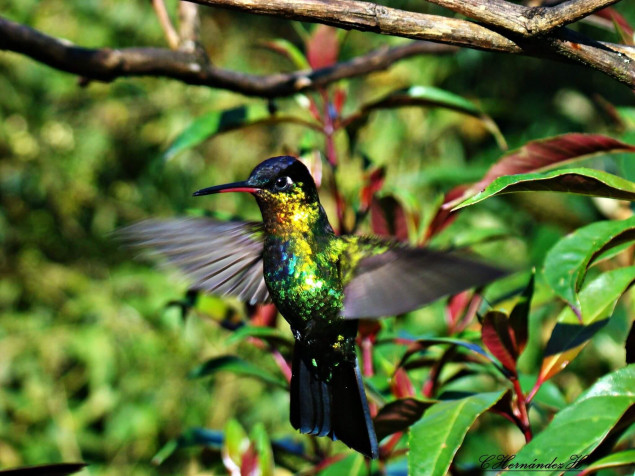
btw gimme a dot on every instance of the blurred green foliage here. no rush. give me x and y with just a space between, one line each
94 363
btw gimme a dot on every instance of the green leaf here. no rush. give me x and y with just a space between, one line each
435 439
215 122
289 51
263 449
269 334
429 96
235 445
237 365
581 181
597 299
580 428
566 263
616 460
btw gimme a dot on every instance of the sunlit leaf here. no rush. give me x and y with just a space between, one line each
435 439
234 447
263 449
580 181
597 299
236 365
566 263
580 428
398 415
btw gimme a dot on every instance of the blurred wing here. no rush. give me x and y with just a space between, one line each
403 279
218 257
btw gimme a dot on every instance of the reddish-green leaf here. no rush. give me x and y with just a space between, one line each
519 317
541 155
322 47
581 181
388 218
496 334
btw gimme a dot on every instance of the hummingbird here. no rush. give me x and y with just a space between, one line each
320 282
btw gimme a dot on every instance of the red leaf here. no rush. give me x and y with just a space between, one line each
400 385
540 155
444 216
339 98
373 183
456 307
249 463
616 18
263 315
498 337
322 47
398 415
388 218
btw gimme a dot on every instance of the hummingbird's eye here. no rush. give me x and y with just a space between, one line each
282 183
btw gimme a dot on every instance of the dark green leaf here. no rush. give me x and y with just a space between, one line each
580 428
580 181
429 96
234 364
269 334
566 263
630 345
435 439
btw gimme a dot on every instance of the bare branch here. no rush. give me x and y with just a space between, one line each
521 20
108 64
166 24
565 13
615 61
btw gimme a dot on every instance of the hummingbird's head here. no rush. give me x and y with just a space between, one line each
284 189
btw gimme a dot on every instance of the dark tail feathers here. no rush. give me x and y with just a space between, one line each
337 408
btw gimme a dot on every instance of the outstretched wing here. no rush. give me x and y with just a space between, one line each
218 257
401 279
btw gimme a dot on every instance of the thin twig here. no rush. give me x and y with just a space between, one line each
170 33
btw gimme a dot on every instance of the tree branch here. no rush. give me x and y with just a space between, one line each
107 64
616 61
521 20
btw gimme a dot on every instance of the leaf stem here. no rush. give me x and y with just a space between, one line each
521 402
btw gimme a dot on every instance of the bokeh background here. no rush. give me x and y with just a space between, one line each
93 359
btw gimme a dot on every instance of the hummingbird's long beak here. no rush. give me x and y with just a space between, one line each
228 187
